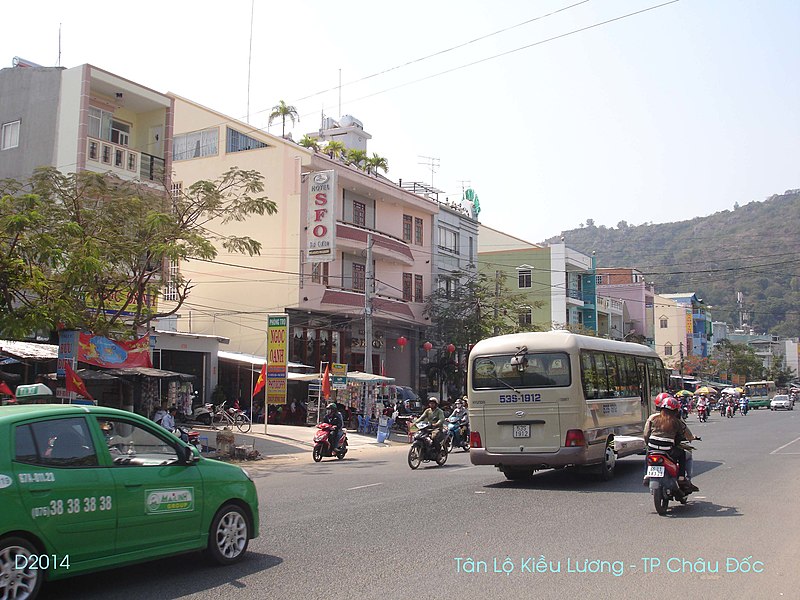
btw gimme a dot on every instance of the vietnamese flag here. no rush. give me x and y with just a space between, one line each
75 383
4 389
326 382
262 380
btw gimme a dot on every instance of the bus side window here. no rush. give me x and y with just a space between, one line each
588 376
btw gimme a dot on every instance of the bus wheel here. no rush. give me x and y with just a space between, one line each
606 470
518 474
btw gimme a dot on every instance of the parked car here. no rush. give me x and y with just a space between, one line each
85 488
781 401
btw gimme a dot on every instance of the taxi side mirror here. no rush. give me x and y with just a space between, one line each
188 455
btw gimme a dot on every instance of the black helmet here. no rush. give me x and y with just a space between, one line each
332 406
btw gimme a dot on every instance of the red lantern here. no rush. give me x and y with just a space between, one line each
451 348
427 346
401 341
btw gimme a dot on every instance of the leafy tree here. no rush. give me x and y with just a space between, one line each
376 162
335 149
281 111
309 142
358 158
86 250
781 374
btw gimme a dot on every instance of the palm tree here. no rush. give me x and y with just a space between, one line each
309 142
335 149
357 158
377 162
282 110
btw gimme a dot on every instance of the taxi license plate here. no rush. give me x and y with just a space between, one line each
522 431
655 471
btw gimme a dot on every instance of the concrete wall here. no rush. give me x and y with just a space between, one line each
30 95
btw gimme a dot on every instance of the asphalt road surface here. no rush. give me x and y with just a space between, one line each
370 527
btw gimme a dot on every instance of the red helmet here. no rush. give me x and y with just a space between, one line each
661 397
671 404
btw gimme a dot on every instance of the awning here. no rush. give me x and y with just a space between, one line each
253 360
28 350
149 372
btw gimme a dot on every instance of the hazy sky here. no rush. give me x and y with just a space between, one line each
673 113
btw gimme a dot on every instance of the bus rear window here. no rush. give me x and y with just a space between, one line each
531 371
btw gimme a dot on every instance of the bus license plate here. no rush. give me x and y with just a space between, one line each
655 471
522 431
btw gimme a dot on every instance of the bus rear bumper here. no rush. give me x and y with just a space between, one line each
564 457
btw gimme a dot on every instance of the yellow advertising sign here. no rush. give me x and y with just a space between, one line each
277 358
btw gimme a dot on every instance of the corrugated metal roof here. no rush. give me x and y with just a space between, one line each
28 350
251 359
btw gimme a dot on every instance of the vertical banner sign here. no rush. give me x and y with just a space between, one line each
277 354
321 223
339 376
67 352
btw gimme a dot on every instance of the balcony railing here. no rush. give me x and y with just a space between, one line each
123 161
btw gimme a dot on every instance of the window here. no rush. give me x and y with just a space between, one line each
470 251
171 272
524 277
535 370
448 240
133 446
359 213
237 142
667 349
446 285
102 125
407 279
319 273
407 224
418 231
177 190
195 144
418 288
56 443
525 316
663 322
598 280
120 133
359 277
10 135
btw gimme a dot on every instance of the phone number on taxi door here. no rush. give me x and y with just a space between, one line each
72 506
520 397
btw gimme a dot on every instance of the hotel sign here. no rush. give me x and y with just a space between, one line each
321 223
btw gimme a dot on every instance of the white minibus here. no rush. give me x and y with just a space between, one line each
541 400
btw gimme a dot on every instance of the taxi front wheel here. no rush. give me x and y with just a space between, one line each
17 579
229 535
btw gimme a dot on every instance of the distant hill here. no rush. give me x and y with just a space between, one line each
753 249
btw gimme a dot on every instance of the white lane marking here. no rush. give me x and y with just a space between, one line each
784 446
359 487
460 469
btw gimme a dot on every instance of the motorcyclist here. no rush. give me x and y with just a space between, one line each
434 416
667 424
702 405
744 404
334 417
461 416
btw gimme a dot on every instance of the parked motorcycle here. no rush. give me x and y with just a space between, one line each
662 479
423 448
323 443
188 435
457 434
202 414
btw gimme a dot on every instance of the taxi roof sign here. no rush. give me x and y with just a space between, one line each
36 390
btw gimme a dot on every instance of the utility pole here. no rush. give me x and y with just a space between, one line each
368 288
680 352
496 302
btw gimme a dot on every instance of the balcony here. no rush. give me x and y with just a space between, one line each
354 300
102 155
575 297
354 237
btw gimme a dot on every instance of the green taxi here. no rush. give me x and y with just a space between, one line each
84 488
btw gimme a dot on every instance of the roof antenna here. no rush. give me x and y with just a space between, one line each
59 45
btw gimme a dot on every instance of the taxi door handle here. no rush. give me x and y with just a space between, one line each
133 485
41 491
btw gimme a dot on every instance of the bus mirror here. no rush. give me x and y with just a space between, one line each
519 362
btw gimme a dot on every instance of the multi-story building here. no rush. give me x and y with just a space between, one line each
556 278
673 330
629 285
83 118
699 330
320 284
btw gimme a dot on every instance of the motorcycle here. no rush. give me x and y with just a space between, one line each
729 410
456 428
423 448
187 435
202 414
662 479
702 413
323 446
743 408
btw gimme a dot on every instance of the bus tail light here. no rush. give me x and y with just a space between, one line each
475 439
575 438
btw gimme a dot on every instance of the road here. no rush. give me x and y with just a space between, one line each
369 527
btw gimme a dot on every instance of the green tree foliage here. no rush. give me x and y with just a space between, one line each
335 149
310 143
357 158
282 111
752 250
376 162
86 250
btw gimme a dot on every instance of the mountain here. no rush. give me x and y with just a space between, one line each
753 249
